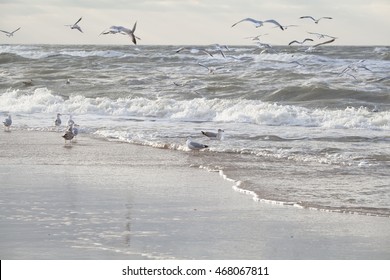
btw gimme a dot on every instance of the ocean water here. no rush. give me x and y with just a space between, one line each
303 127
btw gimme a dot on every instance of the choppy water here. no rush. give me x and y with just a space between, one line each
299 124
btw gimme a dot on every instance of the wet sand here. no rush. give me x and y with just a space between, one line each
97 199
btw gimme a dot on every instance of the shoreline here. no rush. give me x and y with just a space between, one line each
98 199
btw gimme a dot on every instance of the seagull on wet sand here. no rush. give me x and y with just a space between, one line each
213 135
57 121
124 31
297 42
7 122
69 134
259 23
9 34
75 26
195 145
315 20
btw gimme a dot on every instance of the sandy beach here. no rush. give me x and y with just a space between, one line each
96 199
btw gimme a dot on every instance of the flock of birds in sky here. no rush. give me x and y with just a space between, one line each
258 23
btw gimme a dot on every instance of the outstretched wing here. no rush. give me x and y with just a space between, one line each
78 21
258 23
323 43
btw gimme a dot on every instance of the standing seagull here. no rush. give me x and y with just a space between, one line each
9 34
213 135
57 122
123 30
75 26
69 134
7 122
315 20
259 23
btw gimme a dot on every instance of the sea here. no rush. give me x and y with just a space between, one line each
303 127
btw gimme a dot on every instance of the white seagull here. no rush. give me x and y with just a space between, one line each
194 145
315 20
297 42
57 122
9 34
124 31
7 122
259 23
75 26
194 50
213 135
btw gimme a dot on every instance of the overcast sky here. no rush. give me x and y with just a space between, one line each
193 22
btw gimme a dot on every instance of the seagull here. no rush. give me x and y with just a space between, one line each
28 83
69 134
210 69
124 31
295 41
9 34
259 23
75 26
194 49
315 20
7 122
213 135
57 122
194 145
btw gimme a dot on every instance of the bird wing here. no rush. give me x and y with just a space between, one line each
15 30
133 38
135 25
307 39
204 66
78 21
6 32
259 23
292 42
323 43
274 22
309 17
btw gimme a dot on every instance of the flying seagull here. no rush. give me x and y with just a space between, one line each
124 31
297 42
75 26
259 23
315 20
9 34
194 49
